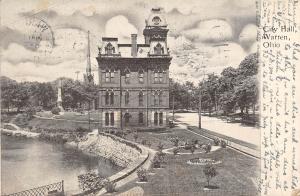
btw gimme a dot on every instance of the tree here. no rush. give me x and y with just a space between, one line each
209 171
7 92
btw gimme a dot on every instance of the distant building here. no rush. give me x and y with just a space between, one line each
134 78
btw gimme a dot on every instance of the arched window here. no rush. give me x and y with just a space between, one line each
126 98
155 99
127 75
112 119
158 49
109 49
141 118
141 76
161 118
160 98
155 118
112 94
106 119
107 98
126 116
141 98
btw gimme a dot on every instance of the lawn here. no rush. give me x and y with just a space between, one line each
164 137
76 116
59 124
237 173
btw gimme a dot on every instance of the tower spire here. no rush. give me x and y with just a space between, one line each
88 77
88 68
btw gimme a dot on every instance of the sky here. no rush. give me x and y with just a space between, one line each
42 40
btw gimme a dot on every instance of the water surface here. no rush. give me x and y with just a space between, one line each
29 163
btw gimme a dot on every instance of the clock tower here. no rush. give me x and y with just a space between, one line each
156 31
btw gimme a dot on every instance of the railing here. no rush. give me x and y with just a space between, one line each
233 144
50 189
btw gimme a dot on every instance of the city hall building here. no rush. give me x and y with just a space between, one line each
134 78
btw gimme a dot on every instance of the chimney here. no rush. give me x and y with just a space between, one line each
133 45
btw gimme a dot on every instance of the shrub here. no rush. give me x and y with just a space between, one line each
207 148
135 136
175 151
38 108
142 175
193 148
55 110
110 187
216 141
160 147
161 155
175 141
156 162
81 130
90 181
30 111
209 172
223 144
195 142
144 142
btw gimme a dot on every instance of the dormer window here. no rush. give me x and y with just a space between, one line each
158 49
109 49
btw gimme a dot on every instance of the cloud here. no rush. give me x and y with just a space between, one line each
203 58
28 71
120 27
248 35
70 44
210 31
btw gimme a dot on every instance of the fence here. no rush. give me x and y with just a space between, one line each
56 189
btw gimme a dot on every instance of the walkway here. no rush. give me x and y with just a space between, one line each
234 130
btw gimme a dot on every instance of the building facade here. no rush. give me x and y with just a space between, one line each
134 78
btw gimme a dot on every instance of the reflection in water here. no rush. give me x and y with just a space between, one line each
29 163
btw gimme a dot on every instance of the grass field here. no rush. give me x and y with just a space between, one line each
237 173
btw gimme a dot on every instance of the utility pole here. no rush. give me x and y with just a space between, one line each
173 106
77 72
89 115
200 108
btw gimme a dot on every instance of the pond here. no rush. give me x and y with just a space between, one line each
29 163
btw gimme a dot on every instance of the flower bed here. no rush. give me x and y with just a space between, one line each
200 161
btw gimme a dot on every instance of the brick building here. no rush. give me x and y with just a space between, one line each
134 78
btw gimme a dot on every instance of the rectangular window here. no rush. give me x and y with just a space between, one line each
155 77
141 118
160 77
127 77
161 118
112 119
107 76
106 119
